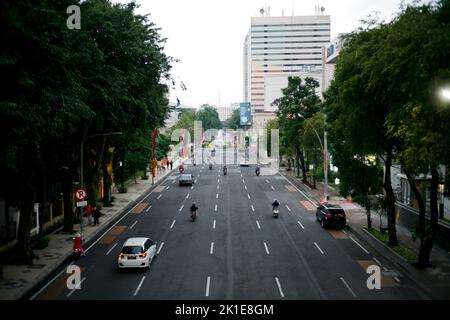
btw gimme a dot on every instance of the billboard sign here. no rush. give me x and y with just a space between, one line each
245 114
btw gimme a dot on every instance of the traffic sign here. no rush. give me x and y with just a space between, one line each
80 194
81 204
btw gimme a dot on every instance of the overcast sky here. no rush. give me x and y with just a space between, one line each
208 35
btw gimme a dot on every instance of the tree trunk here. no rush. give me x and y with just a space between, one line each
423 260
301 156
107 182
24 252
430 233
289 164
390 200
67 197
315 167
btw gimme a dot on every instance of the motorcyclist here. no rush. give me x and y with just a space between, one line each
78 244
181 168
193 208
257 170
275 204
225 169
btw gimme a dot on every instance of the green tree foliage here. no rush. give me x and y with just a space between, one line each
383 101
234 121
62 86
209 117
298 97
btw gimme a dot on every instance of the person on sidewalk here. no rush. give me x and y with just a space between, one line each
89 212
97 215
171 164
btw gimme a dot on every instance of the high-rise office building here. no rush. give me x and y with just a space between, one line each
276 48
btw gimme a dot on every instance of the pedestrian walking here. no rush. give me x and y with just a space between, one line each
97 215
171 164
89 213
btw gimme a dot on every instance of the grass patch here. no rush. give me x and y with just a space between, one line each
406 253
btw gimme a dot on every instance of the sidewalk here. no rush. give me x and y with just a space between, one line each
435 281
18 280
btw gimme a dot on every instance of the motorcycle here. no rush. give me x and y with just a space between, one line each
224 171
257 171
76 253
275 212
181 169
193 215
210 166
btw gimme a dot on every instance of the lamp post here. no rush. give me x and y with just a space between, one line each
324 148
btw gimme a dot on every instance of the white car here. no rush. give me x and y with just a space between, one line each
137 253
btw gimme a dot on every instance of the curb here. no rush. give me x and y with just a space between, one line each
53 267
387 247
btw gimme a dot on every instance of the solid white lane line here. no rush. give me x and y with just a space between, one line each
279 287
133 224
160 195
248 195
181 208
187 196
245 187
289 209
267 249
112 248
253 209
214 224
149 207
208 280
72 291
160 247
359 245
301 224
217 196
215 207
257 223
301 192
344 232
318 248
211 249
377 261
171 226
348 287
139 286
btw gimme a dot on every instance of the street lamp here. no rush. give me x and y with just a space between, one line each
445 94
324 148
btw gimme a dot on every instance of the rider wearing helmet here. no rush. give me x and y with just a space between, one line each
275 203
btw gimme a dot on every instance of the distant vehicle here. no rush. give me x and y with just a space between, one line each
186 179
331 215
137 253
244 163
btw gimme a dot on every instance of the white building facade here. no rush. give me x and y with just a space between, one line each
276 48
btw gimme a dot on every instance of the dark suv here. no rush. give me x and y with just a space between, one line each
331 215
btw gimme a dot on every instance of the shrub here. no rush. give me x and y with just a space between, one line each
39 242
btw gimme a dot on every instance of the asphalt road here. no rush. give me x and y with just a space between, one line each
234 250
